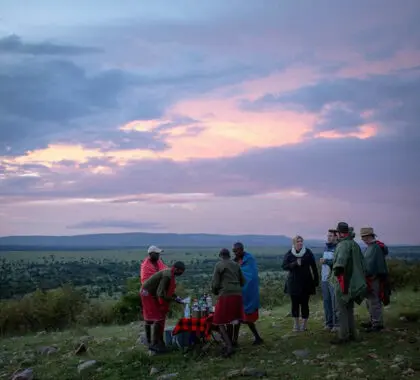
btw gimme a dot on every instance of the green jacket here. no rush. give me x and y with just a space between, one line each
375 261
349 262
228 278
158 284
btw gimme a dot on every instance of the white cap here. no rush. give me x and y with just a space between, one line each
154 249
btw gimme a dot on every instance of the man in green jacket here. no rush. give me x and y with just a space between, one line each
376 277
348 280
156 294
227 284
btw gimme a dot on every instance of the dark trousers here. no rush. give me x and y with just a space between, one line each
300 306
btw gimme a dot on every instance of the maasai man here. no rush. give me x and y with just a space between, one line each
149 266
227 283
156 294
250 292
348 280
376 278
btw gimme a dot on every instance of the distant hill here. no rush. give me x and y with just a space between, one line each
142 239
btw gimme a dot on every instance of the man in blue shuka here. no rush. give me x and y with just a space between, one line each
250 292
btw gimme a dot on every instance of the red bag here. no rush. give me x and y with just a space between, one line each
341 281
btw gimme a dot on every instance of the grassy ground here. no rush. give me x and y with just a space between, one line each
391 354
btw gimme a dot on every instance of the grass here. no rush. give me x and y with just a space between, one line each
392 354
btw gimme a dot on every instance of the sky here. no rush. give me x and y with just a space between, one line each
234 117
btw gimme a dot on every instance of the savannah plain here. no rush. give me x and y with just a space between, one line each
53 301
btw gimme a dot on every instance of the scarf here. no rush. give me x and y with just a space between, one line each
148 268
298 254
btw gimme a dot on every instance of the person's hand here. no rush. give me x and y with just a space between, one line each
322 260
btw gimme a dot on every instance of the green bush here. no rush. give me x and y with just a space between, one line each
51 310
404 274
40 310
128 308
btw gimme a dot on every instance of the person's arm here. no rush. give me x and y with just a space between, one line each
215 283
288 265
314 269
162 290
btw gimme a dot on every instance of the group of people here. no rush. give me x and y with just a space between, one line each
348 276
235 282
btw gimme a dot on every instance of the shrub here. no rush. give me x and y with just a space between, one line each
272 294
97 312
40 310
404 274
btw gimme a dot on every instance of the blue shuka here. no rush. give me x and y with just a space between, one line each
251 290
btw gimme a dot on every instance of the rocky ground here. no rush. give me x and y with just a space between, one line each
117 352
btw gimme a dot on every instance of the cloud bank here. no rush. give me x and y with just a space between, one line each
227 118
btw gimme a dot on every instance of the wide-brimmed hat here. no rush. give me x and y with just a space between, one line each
343 227
367 231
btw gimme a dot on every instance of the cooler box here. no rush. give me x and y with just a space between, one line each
181 340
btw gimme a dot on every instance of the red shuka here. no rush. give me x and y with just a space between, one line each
228 309
148 268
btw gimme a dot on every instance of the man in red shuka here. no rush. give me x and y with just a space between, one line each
149 266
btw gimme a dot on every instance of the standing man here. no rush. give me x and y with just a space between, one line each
376 278
227 282
156 294
149 266
250 292
349 282
327 260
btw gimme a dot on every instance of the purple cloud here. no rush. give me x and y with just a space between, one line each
119 224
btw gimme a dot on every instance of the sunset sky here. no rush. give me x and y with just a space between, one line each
221 116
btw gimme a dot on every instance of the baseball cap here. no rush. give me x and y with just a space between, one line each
154 249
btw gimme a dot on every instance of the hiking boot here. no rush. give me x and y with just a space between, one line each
366 325
258 342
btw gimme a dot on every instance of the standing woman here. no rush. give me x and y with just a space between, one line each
302 280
